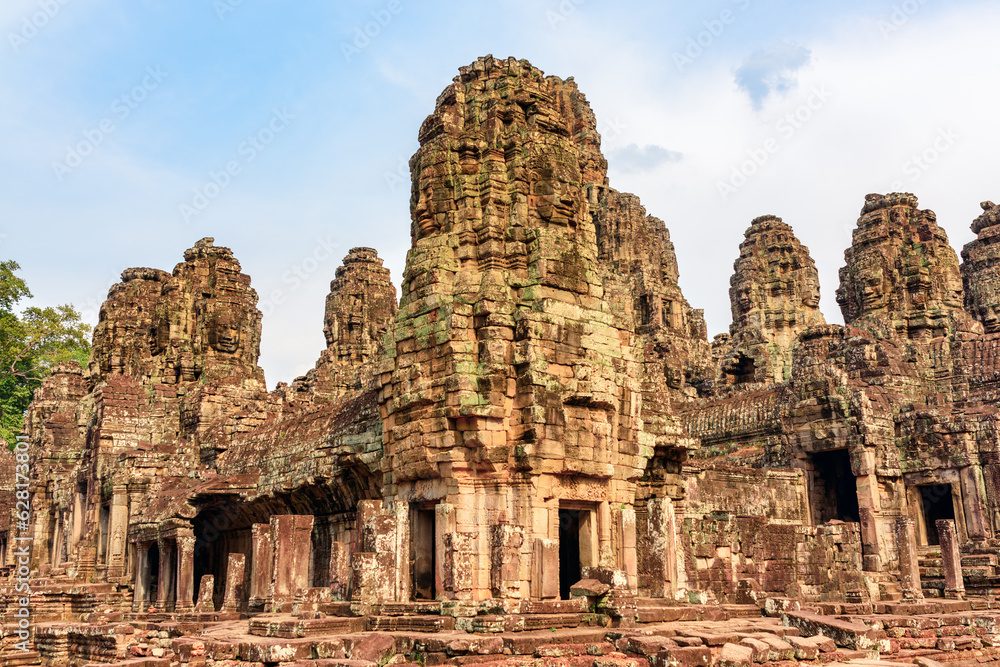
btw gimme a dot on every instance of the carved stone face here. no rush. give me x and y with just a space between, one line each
990 318
426 222
809 292
224 333
873 292
744 299
556 198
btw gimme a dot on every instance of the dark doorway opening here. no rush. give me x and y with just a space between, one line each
937 504
153 568
423 540
569 550
836 489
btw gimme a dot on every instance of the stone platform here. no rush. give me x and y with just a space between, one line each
940 631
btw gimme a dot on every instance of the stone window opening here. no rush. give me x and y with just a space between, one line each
742 371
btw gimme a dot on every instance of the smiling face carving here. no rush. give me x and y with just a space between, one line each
224 332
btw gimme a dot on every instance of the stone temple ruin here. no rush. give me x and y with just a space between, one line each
536 455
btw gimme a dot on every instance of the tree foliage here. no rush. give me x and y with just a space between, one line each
30 345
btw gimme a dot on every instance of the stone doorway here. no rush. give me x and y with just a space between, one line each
422 547
577 543
569 550
835 489
936 503
151 576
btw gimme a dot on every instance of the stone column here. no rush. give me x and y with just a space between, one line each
118 526
627 533
663 547
167 575
505 560
444 524
973 494
185 571
340 571
951 558
870 510
606 549
545 569
140 596
260 566
206 593
909 569
235 573
291 535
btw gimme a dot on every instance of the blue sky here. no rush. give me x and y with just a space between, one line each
283 130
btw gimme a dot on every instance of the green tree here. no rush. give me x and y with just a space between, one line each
30 345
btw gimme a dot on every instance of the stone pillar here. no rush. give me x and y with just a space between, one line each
401 552
505 560
291 535
235 573
340 571
260 566
951 558
140 595
167 575
627 534
444 524
977 522
606 549
909 569
662 533
117 529
206 591
870 509
185 571
76 521
545 569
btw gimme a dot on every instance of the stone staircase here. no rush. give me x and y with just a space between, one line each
980 572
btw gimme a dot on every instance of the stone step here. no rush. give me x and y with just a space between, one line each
343 609
526 643
428 623
574 606
522 622
422 608
667 614
980 560
288 627
742 610
573 650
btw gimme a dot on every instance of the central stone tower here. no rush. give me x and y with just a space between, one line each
511 397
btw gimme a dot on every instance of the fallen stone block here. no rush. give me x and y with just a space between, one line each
734 655
856 636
